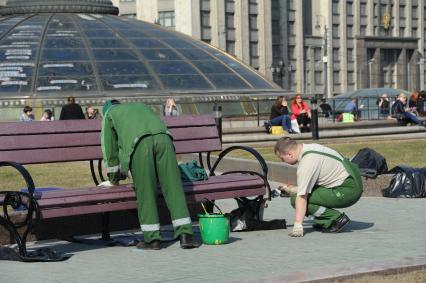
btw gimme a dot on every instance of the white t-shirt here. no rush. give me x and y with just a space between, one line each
317 169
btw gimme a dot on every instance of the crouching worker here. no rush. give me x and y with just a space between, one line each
135 138
325 180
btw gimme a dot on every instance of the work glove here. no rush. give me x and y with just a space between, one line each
106 184
297 230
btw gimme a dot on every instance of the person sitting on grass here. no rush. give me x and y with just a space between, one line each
325 180
280 115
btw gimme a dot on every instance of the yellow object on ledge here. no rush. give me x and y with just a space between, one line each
348 118
277 130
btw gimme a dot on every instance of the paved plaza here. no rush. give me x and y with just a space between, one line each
383 233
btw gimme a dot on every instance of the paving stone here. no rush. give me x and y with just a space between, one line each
382 230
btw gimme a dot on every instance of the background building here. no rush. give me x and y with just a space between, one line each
127 7
50 50
310 46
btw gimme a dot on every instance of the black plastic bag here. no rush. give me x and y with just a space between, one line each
370 163
39 255
244 218
407 182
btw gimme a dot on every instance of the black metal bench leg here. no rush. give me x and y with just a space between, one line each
14 235
105 227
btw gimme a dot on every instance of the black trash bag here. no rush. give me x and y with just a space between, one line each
370 163
407 182
244 218
39 255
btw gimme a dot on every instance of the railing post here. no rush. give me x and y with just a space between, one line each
217 110
314 119
257 110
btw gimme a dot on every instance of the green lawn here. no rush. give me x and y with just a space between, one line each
409 152
77 174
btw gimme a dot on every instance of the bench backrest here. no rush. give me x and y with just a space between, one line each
79 140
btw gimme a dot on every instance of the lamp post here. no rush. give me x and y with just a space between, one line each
217 110
314 118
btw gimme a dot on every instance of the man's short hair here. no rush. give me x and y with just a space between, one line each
71 99
284 144
28 109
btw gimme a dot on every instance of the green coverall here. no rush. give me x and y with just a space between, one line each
135 138
321 200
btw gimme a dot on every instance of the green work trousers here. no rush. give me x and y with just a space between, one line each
322 201
153 157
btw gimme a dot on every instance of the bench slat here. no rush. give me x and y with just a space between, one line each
40 128
194 133
51 141
215 183
196 146
131 204
189 121
52 155
125 205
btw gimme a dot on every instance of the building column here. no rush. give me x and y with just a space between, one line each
217 22
409 18
330 61
311 71
396 15
242 38
413 71
361 64
284 43
146 10
187 16
359 54
370 18
300 47
421 28
265 37
375 70
343 49
401 70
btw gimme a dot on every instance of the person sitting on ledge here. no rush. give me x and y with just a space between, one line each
325 180
301 113
403 113
280 115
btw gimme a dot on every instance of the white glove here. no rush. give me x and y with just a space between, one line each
105 184
297 230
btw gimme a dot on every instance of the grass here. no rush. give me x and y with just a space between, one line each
63 175
398 152
77 174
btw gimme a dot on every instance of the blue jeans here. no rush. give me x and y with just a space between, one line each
412 118
283 120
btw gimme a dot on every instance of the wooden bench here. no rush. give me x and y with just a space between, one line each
79 140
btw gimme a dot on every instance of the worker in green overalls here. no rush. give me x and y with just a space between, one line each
134 138
325 180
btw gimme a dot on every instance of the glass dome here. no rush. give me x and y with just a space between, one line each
92 55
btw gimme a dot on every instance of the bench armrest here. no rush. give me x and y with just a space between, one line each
15 200
252 151
24 173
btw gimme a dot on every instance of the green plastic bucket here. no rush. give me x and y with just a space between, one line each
214 228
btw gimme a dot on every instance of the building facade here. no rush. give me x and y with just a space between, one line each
127 7
310 46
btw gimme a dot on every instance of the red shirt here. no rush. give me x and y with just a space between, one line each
296 109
